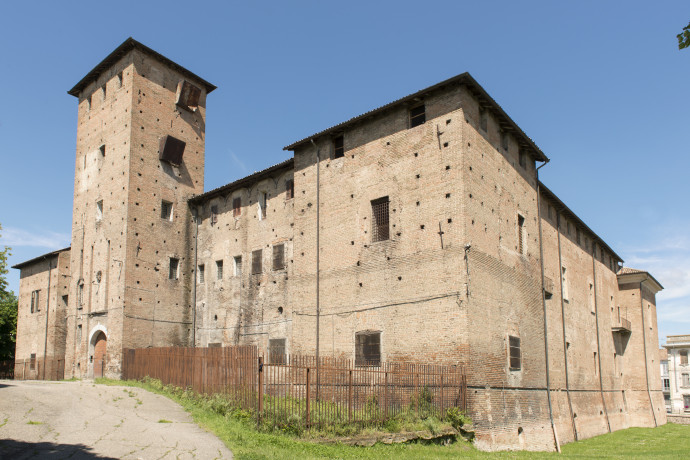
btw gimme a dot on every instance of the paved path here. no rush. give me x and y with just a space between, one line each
80 420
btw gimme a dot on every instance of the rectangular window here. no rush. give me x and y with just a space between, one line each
79 334
338 147
188 96
219 270
417 116
263 204
256 261
483 119
276 351
379 219
174 272
236 206
368 348
171 149
686 380
515 357
214 215
99 210
289 189
522 158
202 274
166 210
35 295
278 257
521 234
32 362
667 384
686 402
237 265
683 356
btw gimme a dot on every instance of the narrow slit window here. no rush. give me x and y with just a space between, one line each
338 147
521 234
237 262
514 354
417 115
236 206
99 210
174 272
289 189
263 204
202 274
278 257
565 284
32 362
166 210
483 119
380 219
368 348
504 142
102 150
219 270
35 301
256 261
214 215
523 158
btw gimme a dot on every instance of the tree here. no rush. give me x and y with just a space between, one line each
8 311
684 38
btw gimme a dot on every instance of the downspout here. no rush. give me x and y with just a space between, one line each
596 318
644 342
565 342
45 343
196 250
543 301
318 254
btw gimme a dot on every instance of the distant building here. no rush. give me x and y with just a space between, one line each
678 347
665 378
437 243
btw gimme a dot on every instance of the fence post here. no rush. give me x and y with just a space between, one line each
308 395
261 388
349 397
442 400
385 397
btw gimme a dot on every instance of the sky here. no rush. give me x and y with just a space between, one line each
601 87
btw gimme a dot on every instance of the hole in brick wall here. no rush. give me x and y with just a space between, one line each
280 310
417 176
468 144
418 203
472 221
448 121
360 284
470 195
352 243
445 144
399 278
388 143
352 196
416 154
353 156
215 317
447 195
447 167
358 263
421 226
450 221
470 168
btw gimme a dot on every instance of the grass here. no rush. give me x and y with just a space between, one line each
31 422
239 433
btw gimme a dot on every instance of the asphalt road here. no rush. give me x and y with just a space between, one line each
80 420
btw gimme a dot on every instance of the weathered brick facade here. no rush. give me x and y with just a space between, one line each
435 236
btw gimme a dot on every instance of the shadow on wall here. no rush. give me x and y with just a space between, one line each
9 448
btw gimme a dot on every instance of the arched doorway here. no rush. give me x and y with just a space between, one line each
99 348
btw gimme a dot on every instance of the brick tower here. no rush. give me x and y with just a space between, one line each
140 156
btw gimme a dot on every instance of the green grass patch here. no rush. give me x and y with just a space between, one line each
238 430
164 421
31 422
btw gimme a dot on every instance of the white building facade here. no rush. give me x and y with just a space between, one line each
678 374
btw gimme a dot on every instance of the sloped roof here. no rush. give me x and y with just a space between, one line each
634 271
485 100
40 258
122 50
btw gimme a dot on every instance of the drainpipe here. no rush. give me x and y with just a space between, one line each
45 343
565 344
596 318
644 342
543 301
196 250
318 254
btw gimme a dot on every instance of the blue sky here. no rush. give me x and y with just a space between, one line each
600 86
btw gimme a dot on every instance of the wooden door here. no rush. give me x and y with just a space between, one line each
99 355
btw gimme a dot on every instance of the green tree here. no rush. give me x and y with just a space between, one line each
8 310
684 38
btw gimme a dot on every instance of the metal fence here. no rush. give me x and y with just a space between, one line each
297 391
39 369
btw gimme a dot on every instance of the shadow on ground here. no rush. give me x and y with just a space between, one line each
19 450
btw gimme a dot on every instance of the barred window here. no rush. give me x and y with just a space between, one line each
32 362
201 274
278 257
514 353
35 300
174 272
379 219
219 269
338 147
368 348
276 351
236 206
417 116
256 261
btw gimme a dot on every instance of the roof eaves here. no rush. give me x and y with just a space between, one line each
121 51
579 221
463 78
222 190
20 265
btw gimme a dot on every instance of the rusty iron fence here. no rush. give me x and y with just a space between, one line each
295 391
39 369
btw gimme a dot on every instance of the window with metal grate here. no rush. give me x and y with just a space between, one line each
380 219
256 261
368 348
417 115
278 256
514 353
276 351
